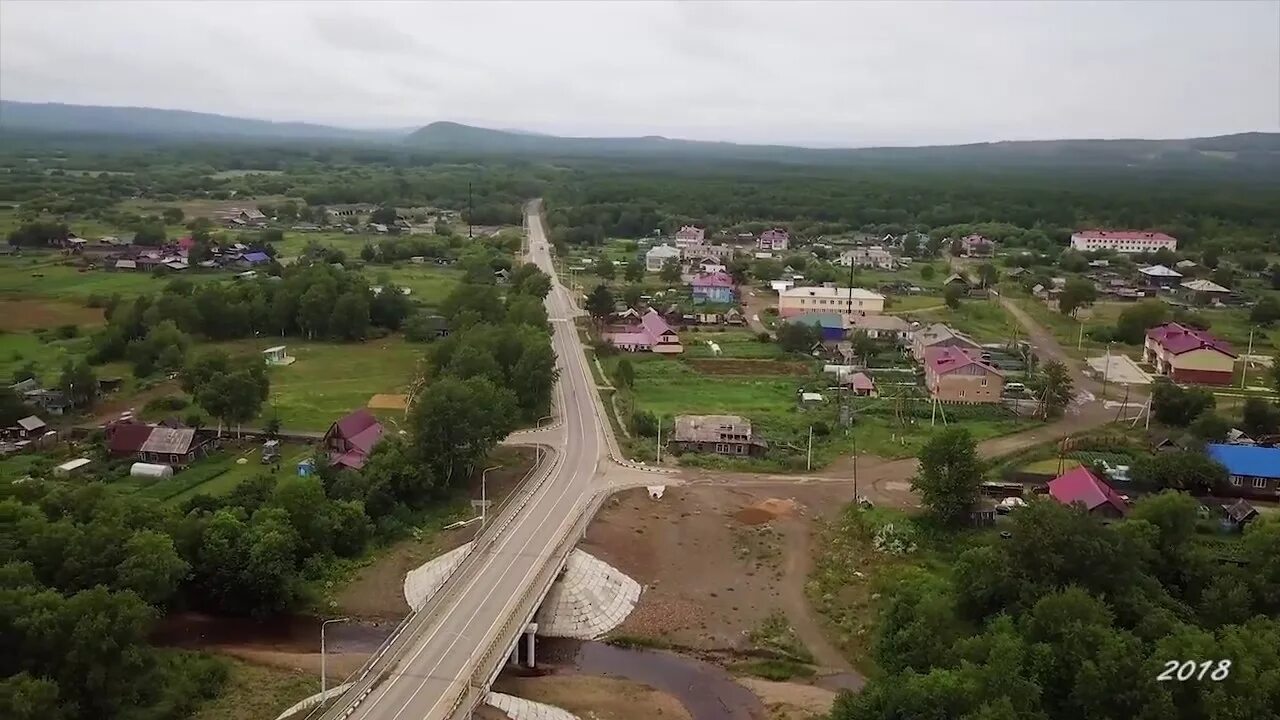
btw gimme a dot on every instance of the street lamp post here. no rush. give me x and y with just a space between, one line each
322 669
484 496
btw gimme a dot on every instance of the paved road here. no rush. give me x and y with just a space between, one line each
436 664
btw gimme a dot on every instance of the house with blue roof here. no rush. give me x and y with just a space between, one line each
254 258
829 324
1254 471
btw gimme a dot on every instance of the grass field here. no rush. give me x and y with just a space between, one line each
733 344
255 691
430 284
904 304
668 387
18 349
41 276
983 320
329 380
235 473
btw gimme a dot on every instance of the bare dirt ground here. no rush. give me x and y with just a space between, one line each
717 561
376 592
595 698
791 701
18 314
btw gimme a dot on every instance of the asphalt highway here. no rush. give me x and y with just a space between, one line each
440 653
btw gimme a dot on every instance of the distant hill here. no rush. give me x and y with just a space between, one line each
1255 155
1247 151
136 121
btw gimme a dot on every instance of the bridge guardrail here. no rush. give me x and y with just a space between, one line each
510 508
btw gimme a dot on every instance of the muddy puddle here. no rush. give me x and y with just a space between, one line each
291 633
707 692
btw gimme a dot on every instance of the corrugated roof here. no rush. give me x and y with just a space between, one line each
1177 339
1082 486
169 441
1247 460
1159 271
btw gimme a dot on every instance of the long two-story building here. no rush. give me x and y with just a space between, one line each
1122 241
1188 354
844 301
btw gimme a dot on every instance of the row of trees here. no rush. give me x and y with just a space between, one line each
1066 617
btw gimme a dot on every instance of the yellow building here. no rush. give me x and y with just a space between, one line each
847 302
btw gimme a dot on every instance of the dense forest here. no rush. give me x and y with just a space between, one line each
87 571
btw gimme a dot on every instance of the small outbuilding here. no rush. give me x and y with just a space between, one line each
152 471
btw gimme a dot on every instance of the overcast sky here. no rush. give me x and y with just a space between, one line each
833 74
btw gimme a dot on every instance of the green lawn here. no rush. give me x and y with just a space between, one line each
900 304
18 349
40 275
733 344
668 387
328 380
254 691
235 473
430 284
983 320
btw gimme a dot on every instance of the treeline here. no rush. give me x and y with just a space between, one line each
1064 617
309 299
1028 208
87 573
494 371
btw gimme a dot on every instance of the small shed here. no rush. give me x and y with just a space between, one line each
1238 514
152 471
861 384
306 467
277 356
71 467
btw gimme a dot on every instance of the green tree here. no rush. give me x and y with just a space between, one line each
927 272
1209 426
794 337
949 475
604 268
1053 387
635 270
456 423
863 346
1177 407
79 383
1185 470
1259 418
383 215
151 567
1076 294
624 374
1134 321
173 215
368 252
951 296
350 318
670 272
600 302
1266 311
988 274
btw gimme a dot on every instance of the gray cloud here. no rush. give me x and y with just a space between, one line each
816 73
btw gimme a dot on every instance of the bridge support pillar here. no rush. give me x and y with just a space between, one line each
530 633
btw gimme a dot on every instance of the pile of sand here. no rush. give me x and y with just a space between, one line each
766 510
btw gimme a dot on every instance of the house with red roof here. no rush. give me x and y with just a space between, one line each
690 235
961 375
773 240
712 287
351 440
1081 487
1122 241
1188 354
650 334
159 444
977 246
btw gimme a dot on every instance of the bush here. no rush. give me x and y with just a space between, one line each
167 403
66 332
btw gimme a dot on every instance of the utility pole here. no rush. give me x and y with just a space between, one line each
808 465
659 440
1244 371
855 468
1106 372
470 211
1080 337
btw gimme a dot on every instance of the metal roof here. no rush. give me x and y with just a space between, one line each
171 441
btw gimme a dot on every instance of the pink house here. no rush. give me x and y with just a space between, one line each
957 374
712 287
976 246
1079 486
775 239
651 334
690 235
